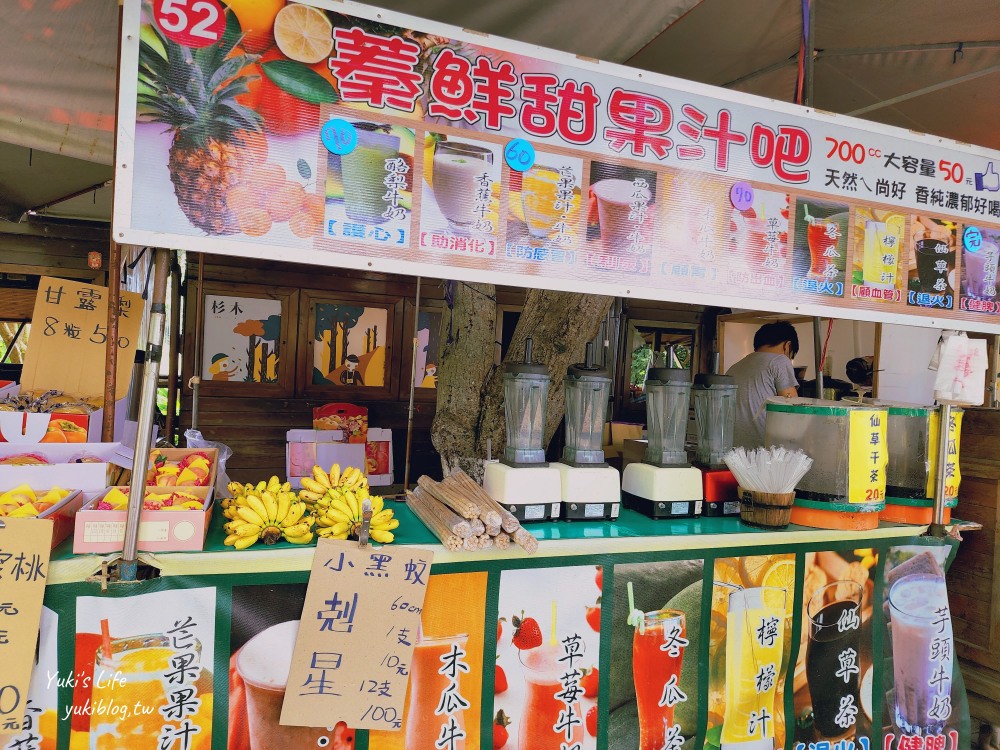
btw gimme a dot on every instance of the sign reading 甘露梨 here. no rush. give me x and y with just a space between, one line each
338 134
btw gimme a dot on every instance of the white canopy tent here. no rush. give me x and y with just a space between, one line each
916 64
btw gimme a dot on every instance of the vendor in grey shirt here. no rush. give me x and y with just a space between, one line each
765 373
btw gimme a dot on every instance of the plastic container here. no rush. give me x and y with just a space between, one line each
668 400
714 399
525 400
588 387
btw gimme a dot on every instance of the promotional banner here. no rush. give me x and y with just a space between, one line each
338 134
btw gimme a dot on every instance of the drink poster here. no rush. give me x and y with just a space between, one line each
25 544
980 251
344 135
144 670
358 626
656 641
549 651
834 671
924 701
40 727
749 648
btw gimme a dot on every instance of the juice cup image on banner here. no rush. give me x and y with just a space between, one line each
263 664
463 185
759 234
882 241
979 266
550 196
833 658
436 666
754 649
657 657
933 250
544 724
363 171
922 653
131 684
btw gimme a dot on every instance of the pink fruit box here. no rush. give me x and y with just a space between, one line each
103 531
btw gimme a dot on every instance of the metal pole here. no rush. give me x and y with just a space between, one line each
175 346
944 428
147 403
413 377
111 357
199 335
818 357
810 55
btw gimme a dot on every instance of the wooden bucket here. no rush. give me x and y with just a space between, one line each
766 510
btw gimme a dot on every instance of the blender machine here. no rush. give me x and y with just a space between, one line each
523 482
591 489
664 484
714 399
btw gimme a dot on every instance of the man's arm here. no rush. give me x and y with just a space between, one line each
789 393
785 382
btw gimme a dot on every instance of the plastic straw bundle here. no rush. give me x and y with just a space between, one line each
772 470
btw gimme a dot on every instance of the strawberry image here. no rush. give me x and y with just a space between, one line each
500 623
500 734
527 634
591 721
589 682
599 578
594 616
499 681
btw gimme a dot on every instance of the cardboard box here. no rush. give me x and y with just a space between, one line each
378 457
301 457
353 420
315 436
28 428
62 469
103 531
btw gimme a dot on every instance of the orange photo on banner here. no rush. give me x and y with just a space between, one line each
453 622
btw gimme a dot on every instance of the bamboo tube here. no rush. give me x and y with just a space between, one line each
482 498
458 525
501 541
462 483
494 530
471 544
526 540
478 527
437 527
464 508
485 542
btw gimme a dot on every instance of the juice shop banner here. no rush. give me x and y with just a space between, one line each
810 647
341 135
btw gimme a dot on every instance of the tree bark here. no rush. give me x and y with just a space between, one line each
468 335
470 408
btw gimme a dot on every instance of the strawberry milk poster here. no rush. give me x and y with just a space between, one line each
547 673
339 134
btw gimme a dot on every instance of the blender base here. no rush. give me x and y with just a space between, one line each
660 492
589 494
722 494
529 493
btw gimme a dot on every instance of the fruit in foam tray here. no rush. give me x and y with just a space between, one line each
117 499
24 502
193 470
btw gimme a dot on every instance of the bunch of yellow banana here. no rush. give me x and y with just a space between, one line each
337 502
266 512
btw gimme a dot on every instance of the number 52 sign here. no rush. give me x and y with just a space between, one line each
191 23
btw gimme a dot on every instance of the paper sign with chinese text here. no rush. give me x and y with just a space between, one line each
954 471
67 346
401 145
868 456
360 623
24 558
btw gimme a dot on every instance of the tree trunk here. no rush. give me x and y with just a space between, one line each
470 408
468 335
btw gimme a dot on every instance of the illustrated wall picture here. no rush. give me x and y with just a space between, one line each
242 339
550 628
655 682
428 349
145 670
349 345
933 250
370 189
834 671
750 640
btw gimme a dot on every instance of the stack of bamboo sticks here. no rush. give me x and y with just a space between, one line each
463 516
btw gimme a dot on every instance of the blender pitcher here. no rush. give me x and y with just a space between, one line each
715 417
525 398
668 398
587 389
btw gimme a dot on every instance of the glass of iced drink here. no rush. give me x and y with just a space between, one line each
981 270
363 171
264 663
428 681
540 717
833 659
657 656
458 172
615 200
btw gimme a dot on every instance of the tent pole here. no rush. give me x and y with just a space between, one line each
810 61
937 527
818 356
147 404
175 344
413 377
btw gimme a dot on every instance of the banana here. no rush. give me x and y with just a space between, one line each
330 535
340 505
382 537
245 541
340 528
230 540
235 488
261 486
335 475
387 525
258 507
286 487
246 529
378 504
304 539
381 517
320 476
297 530
311 485
327 521
284 504
295 512
273 485
270 505
353 505
251 516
